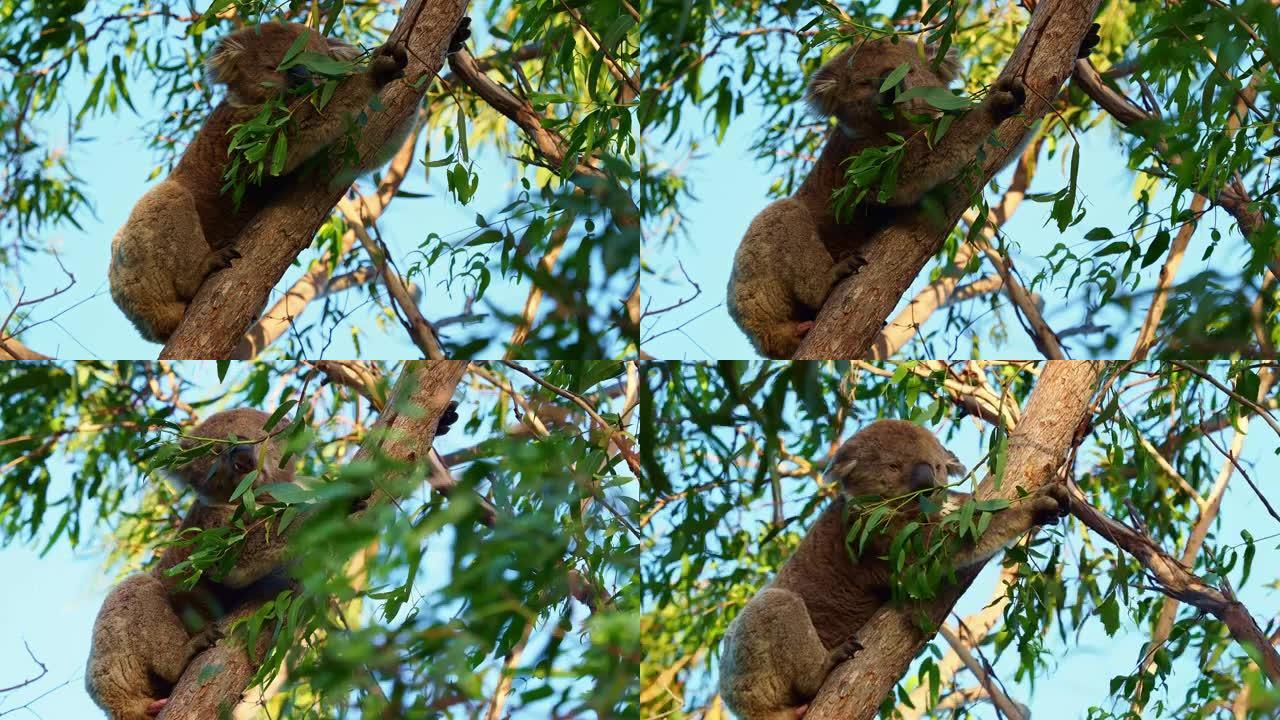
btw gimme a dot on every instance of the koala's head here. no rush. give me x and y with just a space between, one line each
247 61
847 87
216 475
889 458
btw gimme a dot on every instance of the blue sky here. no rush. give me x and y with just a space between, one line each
115 164
1080 670
730 186
50 602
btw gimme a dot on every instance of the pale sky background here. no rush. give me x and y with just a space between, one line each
730 187
1080 671
50 602
115 165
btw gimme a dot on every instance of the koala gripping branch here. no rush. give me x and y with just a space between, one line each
854 314
215 681
229 302
891 639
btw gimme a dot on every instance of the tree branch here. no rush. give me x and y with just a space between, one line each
1180 584
855 312
229 302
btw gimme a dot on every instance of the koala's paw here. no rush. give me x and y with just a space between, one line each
802 328
848 266
156 706
221 259
388 63
460 35
206 638
1007 97
846 651
448 418
1091 40
1050 505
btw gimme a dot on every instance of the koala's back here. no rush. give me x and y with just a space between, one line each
841 596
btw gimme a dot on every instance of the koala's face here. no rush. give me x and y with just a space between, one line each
889 458
247 61
216 475
847 87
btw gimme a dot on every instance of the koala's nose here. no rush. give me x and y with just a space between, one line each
241 459
922 476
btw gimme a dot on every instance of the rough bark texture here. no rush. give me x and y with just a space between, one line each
854 314
1037 449
229 301
215 681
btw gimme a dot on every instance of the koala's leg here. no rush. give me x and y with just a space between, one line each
773 659
924 168
782 274
137 634
159 258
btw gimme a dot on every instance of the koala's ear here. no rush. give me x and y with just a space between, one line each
838 469
341 50
824 88
222 61
948 66
954 466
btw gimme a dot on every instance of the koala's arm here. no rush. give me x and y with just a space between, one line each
315 130
1013 522
772 660
924 168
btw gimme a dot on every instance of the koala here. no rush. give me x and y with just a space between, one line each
795 251
185 228
798 628
149 628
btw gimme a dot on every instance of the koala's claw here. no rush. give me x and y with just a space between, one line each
1090 41
221 259
448 418
846 651
389 62
1007 97
460 35
848 266
1050 505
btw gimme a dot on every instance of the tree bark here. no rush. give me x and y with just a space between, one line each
854 314
1037 449
216 679
230 301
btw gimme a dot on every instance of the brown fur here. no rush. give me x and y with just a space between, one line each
149 628
789 637
185 228
795 250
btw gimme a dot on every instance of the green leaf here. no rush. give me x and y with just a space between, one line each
294 50
1099 233
939 97
1114 248
279 154
895 77
1109 612
1157 248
